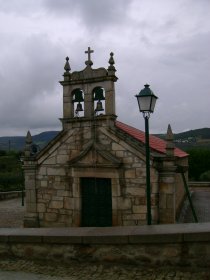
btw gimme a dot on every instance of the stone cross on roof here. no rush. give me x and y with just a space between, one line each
89 61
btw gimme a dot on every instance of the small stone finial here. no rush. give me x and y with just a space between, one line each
28 142
28 138
67 67
169 142
111 67
89 61
169 135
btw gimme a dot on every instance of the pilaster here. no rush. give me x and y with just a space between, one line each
167 168
29 168
31 215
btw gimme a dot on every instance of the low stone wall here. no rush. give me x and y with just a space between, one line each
199 184
11 194
181 245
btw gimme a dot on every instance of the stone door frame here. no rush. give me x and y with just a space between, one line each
109 173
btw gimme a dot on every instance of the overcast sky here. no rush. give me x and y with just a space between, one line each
164 43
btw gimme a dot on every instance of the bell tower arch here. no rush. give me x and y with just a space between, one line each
90 93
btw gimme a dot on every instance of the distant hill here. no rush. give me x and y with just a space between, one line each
17 143
197 138
43 138
201 133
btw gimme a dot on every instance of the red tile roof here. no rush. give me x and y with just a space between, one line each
156 143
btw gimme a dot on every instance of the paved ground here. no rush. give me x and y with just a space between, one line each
25 270
201 203
11 215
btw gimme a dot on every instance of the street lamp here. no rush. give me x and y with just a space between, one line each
146 101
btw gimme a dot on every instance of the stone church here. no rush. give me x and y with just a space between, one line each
93 173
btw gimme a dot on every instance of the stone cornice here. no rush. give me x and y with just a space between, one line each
89 80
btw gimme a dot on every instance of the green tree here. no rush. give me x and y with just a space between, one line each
199 162
11 175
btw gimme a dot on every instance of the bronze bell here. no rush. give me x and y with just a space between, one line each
99 94
99 106
79 107
78 97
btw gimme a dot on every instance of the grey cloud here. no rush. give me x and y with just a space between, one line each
178 75
92 13
33 74
21 7
167 48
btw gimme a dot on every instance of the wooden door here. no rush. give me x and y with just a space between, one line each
96 202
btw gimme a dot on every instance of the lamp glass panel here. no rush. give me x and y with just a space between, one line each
144 103
153 102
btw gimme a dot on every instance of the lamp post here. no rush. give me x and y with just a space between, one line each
146 101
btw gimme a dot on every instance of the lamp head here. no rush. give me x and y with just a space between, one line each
146 100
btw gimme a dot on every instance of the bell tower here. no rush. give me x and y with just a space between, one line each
88 94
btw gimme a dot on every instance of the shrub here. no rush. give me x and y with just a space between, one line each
11 175
199 162
2 153
205 176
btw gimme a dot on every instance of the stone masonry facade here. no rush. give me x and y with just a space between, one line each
93 146
58 196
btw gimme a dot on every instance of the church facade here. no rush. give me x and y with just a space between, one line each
93 173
